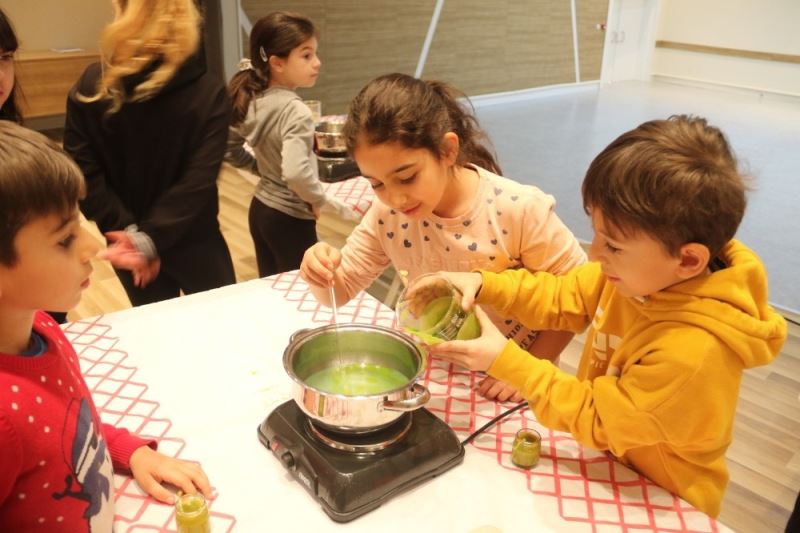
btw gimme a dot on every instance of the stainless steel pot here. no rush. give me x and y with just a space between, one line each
310 351
329 138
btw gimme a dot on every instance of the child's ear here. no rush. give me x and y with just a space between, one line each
275 63
694 258
449 148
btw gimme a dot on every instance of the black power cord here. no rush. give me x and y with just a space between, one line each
494 421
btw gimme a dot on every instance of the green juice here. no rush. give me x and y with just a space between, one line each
357 380
191 514
436 311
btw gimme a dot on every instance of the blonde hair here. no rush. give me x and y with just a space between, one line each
144 31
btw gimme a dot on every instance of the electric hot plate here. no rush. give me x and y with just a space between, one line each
352 475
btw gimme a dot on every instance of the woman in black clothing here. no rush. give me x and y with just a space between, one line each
148 128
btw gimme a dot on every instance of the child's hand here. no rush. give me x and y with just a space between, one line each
468 283
319 263
150 468
477 354
493 389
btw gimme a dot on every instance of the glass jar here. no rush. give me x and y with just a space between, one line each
526 448
191 513
430 310
316 109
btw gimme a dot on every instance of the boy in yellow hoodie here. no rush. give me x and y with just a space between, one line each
677 310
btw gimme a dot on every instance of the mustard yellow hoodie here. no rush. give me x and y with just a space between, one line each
659 378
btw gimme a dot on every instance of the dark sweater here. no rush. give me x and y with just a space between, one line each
152 163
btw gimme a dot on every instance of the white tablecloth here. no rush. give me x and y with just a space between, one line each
200 373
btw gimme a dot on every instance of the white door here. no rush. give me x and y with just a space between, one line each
630 38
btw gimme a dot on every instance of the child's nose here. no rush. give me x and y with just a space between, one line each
88 245
399 199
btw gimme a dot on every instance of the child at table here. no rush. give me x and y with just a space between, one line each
56 460
441 205
677 310
270 116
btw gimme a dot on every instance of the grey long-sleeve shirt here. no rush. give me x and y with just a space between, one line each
280 129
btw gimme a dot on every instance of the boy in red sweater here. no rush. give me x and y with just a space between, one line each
57 457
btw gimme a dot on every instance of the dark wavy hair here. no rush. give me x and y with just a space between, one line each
276 34
677 180
417 113
8 43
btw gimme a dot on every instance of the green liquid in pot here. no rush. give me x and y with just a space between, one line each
357 380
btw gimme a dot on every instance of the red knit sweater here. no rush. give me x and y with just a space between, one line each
56 459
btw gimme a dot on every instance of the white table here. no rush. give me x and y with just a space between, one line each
202 372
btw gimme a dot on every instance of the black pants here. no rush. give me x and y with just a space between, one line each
192 268
793 526
280 239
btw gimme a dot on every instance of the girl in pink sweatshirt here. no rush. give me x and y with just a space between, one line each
441 205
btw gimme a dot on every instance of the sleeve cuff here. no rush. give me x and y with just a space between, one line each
487 295
121 445
515 366
142 242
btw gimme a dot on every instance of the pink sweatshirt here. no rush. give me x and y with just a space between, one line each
509 225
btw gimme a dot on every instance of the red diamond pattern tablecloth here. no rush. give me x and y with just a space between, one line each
355 192
589 486
122 401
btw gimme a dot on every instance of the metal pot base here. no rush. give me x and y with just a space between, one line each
371 442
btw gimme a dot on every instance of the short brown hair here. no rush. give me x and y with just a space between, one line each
676 180
37 178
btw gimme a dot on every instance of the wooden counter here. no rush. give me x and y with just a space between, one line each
45 78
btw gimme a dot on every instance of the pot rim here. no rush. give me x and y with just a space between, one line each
302 335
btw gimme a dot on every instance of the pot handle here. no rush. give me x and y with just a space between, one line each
298 333
420 398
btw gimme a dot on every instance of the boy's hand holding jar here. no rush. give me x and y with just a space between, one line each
477 354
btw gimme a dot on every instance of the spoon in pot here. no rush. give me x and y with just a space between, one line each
332 293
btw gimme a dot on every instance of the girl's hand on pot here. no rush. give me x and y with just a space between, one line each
477 354
319 264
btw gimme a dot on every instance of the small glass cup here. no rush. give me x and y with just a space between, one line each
316 109
526 448
191 513
430 309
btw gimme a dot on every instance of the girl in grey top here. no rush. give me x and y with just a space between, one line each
274 121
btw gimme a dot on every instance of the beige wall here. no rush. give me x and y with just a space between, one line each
46 24
769 27
489 47
480 47
358 41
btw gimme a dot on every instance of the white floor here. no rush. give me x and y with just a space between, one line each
549 141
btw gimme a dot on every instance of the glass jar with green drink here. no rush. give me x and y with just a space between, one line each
527 448
430 310
191 513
